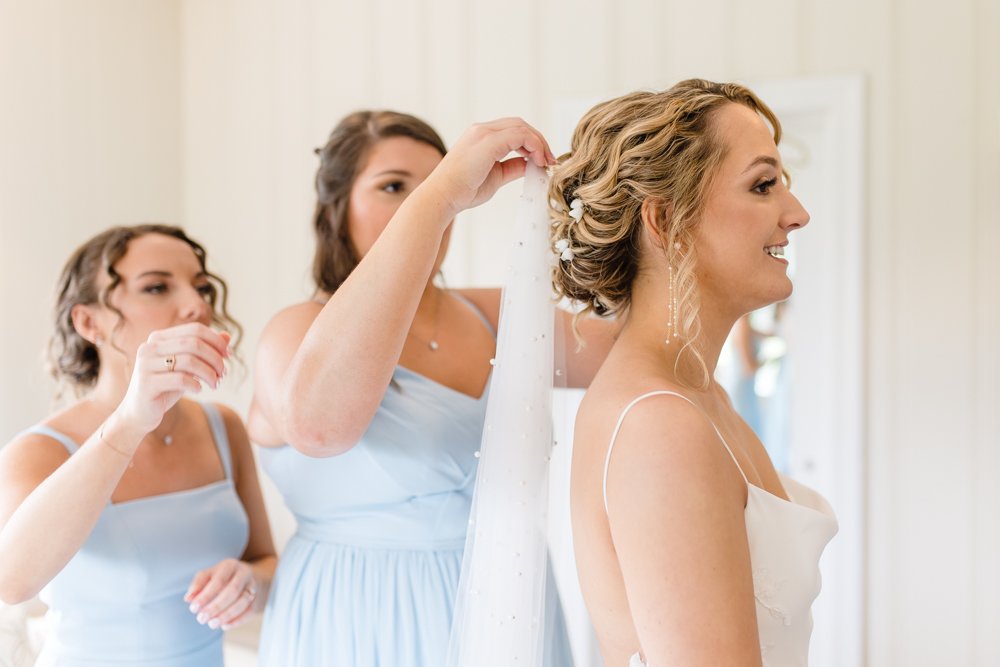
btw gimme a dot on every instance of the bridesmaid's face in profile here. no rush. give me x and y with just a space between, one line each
162 285
394 168
747 218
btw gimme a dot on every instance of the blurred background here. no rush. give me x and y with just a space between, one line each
882 373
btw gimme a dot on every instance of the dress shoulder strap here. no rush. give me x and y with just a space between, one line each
220 436
475 309
61 438
621 419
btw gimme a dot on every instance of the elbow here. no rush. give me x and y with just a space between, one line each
321 431
319 448
13 597
15 592
318 440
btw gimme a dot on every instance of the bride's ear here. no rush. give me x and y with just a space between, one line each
656 215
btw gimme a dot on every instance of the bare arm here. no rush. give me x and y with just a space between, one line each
49 503
676 512
337 376
226 594
278 345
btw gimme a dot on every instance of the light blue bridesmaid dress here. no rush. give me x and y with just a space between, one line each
370 576
120 600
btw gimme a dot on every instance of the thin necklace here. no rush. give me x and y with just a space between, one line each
168 439
431 344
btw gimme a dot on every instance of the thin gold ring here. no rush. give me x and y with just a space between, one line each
170 361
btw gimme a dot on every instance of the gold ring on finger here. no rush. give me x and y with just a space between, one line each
169 362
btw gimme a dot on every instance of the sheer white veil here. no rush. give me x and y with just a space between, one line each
500 608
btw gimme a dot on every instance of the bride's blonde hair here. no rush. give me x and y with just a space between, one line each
643 145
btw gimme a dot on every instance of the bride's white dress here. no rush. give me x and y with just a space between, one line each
786 541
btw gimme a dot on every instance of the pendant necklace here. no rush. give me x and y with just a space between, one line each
168 439
431 344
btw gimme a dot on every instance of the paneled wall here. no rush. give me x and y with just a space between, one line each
89 136
206 112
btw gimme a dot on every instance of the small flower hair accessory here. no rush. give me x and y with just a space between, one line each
564 251
576 209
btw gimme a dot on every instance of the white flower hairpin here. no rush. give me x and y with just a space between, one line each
564 251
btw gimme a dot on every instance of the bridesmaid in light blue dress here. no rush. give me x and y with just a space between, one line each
135 513
370 399
373 567
146 551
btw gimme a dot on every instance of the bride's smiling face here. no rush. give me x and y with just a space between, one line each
748 215
394 168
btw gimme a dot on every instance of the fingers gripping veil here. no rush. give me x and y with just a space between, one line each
500 609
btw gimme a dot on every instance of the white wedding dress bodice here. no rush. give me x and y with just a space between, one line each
786 539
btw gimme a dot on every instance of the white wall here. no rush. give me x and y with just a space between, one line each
205 112
89 137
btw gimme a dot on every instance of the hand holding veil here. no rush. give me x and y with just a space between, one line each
501 613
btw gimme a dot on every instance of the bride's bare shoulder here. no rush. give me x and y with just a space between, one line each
619 382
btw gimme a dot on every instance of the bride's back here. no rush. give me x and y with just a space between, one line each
649 496
597 562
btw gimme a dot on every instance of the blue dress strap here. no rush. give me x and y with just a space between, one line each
61 438
220 436
475 309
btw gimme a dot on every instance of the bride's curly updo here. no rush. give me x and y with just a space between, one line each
657 145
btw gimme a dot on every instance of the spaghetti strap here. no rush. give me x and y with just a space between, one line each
480 314
220 436
621 419
49 432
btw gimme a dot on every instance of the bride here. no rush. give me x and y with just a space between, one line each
672 210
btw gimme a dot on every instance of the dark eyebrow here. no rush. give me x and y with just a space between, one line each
159 274
762 159
396 172
166 274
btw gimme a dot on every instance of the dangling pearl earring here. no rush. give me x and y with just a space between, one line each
673 330
98 342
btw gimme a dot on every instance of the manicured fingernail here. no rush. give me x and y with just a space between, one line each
195 607
214 624
202 617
